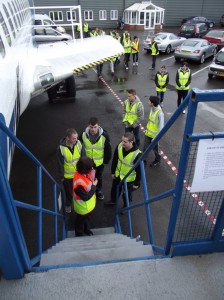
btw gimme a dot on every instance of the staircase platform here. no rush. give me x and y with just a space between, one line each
190 277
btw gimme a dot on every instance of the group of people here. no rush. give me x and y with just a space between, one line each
81 159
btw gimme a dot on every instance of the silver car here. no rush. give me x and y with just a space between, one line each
195 49
217 66
47 34
166 41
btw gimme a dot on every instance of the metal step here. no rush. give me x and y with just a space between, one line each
93 246
81 256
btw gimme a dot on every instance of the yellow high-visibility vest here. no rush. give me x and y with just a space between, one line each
130 112
70 160
183 79
125 164
94 151
161 82
153 124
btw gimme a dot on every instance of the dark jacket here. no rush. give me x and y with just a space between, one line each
156 79
107 146
125 153
177 77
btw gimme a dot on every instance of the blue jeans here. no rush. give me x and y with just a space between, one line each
136 132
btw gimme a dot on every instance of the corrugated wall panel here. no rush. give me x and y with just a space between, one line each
175 10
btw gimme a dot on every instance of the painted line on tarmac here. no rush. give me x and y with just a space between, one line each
200 70
169 163
167 58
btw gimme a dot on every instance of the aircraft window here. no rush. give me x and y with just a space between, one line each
2 48
13 15
18 19
20 11
5 29
18 14
10 21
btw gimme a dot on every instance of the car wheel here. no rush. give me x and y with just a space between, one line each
202 58
210 76
168 49
177 59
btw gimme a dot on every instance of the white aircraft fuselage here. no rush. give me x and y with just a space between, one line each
27 69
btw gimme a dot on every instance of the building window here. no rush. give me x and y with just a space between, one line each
71 16
56 15
88 15
102 15
114 14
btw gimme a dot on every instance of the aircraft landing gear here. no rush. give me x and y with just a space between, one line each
65 89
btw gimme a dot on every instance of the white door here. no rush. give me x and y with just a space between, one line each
149 20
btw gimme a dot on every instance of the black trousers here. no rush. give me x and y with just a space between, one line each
181 94
148 141
99 176
115 183
82 224
68 191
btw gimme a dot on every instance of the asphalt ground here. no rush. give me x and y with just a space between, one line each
42 125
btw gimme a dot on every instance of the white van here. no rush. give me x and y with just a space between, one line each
46 21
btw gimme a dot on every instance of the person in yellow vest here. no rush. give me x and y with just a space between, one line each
161 81
154 53
97 146
125 156
183 80
86 29
68 153
133 114
93 33
127 49
78 29
84 188
153 127
135 50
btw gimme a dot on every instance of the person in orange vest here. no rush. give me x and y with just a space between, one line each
135 50
84 187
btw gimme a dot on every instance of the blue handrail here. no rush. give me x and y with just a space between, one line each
19 257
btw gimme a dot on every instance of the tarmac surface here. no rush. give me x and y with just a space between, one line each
43 124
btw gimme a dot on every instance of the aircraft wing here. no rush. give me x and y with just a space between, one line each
58 61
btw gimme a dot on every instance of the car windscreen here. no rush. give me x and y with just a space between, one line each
215 33
187 28
220 58
160 37
190 43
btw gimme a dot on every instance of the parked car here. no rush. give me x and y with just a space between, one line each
193 19
222 20
44 35
195 49
45 20
217 66
166 41
215 37
189 30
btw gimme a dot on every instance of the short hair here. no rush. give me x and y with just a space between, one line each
70 132
93 121
184 63
130 136
84 165
131 91
155 100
